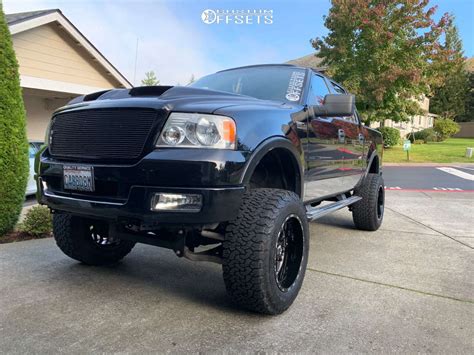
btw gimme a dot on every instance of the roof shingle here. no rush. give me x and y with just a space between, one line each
24 16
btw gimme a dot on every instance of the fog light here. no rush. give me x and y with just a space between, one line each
176 202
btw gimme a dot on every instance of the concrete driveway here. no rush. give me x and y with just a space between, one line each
405 288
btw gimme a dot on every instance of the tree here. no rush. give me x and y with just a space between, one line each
150 79
382 51
449 100
13 142
468 115
191 80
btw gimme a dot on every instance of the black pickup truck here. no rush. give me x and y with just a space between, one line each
229 169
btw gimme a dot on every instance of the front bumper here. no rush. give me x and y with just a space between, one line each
124 192
219 205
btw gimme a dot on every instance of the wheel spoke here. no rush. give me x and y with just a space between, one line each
288 252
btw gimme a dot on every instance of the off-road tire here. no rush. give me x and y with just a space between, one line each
73 237
368 212
250 250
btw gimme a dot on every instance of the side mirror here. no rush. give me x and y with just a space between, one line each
334 105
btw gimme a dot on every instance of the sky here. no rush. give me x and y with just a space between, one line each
176 43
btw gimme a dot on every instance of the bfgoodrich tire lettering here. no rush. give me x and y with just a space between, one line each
76 237
251 258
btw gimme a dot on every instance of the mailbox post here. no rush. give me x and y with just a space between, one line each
406 148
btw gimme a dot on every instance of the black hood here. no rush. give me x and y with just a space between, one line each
173 98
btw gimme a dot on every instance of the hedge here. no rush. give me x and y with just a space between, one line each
38 221
391 136
445 128
13 142
426 135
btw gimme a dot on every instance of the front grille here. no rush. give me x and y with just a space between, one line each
111 134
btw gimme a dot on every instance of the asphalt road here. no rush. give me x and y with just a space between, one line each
439 178
406 288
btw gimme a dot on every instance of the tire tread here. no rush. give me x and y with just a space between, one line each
246 245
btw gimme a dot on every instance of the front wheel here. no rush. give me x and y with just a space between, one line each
368 212
88 240
265 251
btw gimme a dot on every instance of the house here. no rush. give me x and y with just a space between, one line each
417 123
56 64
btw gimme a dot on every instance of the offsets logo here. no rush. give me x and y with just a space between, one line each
237 17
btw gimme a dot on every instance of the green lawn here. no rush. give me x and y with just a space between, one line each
452 150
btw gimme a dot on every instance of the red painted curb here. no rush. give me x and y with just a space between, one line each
427 190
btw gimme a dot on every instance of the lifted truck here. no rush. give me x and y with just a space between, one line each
229 169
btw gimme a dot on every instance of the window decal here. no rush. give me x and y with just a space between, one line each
295 86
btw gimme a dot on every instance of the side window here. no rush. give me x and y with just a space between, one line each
317 90
338 89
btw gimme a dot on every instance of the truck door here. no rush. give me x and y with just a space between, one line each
353 151
324 152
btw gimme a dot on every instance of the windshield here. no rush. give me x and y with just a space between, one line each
267 83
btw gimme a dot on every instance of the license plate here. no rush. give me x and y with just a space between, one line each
78 177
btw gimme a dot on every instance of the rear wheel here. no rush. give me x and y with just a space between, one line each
88 240
368 212
265 251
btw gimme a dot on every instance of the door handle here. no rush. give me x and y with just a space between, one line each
301 125
341 135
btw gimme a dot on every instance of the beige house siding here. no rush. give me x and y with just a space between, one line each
417 123
39 111
48 52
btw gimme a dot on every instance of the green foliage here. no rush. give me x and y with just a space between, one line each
449 100
391 136
426 135
445 128
13 142
468 115
385 52
150 79
38 221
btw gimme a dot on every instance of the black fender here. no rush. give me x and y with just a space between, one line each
373 156
265 147
371 159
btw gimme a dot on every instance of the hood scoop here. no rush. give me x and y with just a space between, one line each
149 90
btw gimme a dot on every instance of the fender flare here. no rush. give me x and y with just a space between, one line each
373 155
276 142
371 159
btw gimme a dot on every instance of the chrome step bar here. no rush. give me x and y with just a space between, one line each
313 213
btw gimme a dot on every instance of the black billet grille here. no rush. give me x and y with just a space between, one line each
110 134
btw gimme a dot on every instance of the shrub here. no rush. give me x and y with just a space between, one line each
13 143
425 135
445 128
38 221
391 136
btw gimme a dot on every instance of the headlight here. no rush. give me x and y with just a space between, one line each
47 136
194 130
